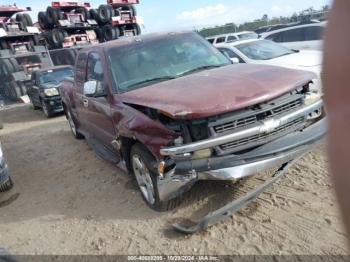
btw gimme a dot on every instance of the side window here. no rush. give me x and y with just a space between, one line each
313 33
275 37
293 35
94 69
80 68
230 54
231 38
220 40
211 40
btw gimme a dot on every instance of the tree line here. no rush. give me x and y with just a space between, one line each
304 15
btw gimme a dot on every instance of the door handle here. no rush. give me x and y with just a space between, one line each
86 102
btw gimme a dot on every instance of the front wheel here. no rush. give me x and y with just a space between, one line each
6 186
72 125
143 165
46 110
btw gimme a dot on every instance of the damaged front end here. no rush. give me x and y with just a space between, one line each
235 145
239 144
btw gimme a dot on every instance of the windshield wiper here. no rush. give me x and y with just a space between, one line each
150 80
201 68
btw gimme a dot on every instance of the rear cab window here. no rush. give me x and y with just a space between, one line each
220 40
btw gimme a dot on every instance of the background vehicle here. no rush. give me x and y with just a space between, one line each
5 179
154 115
258 51
228 38
303 36
43 91
20 51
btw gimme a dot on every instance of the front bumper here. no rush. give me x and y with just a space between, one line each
233 167
53 104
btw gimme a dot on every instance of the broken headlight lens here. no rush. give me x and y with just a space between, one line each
204 153
51 92
312 97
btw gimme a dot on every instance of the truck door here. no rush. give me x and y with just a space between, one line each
33 89
98 117
77 108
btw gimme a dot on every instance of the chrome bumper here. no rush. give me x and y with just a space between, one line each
234 167
263 127
239 172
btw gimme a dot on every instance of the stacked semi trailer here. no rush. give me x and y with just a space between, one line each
117 18
20 51
66 27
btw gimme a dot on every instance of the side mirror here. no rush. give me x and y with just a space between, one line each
234 60
90 88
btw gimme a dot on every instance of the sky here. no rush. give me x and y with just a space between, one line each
162 15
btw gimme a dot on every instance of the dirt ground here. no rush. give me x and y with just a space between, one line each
66 200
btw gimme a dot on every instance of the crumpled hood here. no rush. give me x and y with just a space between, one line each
217 91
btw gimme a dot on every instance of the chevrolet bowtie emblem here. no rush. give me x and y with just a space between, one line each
269 125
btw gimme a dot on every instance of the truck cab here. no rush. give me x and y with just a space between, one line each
43 91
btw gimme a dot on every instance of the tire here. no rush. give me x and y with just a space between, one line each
6 186
105 13
84 11
42 20
15 65
133 10
110 32
94 15
46 111
51 15
99 34
56 38
137 29
23 88
7 90
28 19
3 45
143 165
72 125
16 91
7 67
34 106
36 40
21 19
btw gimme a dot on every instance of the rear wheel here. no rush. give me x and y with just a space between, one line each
6 186
143 166
73 127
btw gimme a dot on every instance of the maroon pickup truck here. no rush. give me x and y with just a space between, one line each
172 110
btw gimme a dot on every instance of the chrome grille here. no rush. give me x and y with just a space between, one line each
264 137
272 109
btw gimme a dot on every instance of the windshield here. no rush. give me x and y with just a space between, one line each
55 76
245 36
263 50
146 62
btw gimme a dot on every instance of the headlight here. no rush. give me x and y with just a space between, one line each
311 98
316 86
204 153
51 92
